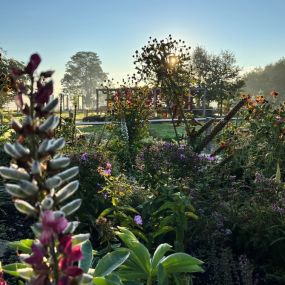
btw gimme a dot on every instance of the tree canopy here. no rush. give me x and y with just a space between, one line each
217 74
264 80
83 75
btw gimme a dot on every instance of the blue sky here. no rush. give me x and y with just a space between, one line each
252 29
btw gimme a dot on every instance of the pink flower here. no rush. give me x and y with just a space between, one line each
33 63
2 281
52 225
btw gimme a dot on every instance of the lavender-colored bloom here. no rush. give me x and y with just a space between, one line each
182 156
84 156
167 145
105 196
108 165
138 220
107 172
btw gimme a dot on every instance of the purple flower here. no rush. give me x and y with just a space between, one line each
33 63
84 156
138 220
167 145
108 165
105 196
182 156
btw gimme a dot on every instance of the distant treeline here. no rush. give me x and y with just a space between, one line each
264 80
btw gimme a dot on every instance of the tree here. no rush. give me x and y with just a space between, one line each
6 65
264 80
83 75
217 75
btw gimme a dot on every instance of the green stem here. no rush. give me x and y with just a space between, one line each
54 262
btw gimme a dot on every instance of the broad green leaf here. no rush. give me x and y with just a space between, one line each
86 262
24 245
166 206
13 268
139 252
159 253
191 215
181 262
162 278
163 230
111 262
131 275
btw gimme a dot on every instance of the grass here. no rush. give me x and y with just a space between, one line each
163 131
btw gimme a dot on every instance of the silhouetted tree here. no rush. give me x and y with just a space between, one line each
83 75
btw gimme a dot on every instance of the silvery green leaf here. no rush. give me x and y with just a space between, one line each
25 208
28 187
26 273
67 191
47 203
50 105
71 227
56 145
69 173
53 182
21 149
15 190
86 279
37 229
71 207
11 150
60 162
36 168
13 174
44 146
58 214
80 238
49 124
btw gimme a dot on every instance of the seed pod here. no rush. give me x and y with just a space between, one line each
25 208
47 203
77 239
53 182
49 124
36 168
14 174
71 227
69 173
60 162
21 149
44 146
56 145
71 207
58 214
50 106
11 150
67 191
28 187
15 190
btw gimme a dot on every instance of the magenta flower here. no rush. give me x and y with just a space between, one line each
37 257
33 64
138 220
44 92
52 226
108 165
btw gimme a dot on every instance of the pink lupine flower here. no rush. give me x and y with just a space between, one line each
51 226
2 280
37 257
33 63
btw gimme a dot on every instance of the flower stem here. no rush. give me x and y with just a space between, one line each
54 262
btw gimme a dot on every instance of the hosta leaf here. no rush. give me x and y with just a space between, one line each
111 261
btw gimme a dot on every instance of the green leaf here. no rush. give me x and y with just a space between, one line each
106 281
163 230
13 268
139 251
159 253
191 215
162 278
24 245
166 206
111 262
181 262
87 251
105 212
